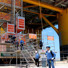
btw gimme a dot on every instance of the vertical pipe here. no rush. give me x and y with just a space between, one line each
13 12
0 33
13 21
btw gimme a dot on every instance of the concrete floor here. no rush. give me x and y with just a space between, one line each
57 65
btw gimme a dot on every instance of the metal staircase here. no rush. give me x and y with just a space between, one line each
25 57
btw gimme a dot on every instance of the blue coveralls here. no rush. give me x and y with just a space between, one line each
21 44
37 56
49 59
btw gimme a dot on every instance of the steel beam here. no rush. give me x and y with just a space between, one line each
1 7
33 23
59 3
50 24
38 13
44 5
30 6
45 25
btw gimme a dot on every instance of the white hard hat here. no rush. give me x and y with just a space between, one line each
36 51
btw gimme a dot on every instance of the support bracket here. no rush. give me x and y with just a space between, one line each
50 24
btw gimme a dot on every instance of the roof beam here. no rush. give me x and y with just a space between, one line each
44 5
59 3
33 23
29 6
38 13
45 24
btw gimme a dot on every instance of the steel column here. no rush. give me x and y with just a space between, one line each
63 27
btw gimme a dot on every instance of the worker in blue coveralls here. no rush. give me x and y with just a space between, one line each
50 57
21 44
37 56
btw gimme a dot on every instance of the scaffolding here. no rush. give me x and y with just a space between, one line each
25 55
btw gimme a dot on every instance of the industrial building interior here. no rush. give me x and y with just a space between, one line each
34 15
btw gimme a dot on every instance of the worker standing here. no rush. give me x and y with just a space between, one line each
41 44
37 56
50 57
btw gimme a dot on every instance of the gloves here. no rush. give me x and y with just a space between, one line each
53 58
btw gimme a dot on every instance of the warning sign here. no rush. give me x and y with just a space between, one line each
10 28
21 23
50 38
32 36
